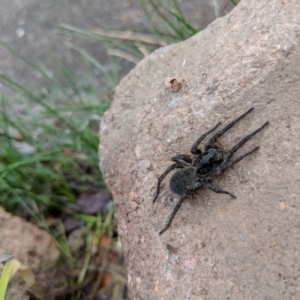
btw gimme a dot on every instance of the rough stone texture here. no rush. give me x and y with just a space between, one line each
35 249
216 247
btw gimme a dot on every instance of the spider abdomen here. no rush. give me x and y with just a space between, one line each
184 180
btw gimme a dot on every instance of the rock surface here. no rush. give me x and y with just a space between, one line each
33 248
216 247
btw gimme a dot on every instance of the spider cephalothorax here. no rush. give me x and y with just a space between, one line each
196 171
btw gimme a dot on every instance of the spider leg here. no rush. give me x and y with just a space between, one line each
163 175
183 157
194 149
175 210
240 158
226 128
216 189
242 142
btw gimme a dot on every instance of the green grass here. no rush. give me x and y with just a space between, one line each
172 26
57 133
49 157
168 25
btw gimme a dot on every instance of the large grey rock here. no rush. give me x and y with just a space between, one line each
216 247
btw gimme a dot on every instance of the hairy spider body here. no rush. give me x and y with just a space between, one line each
198 170
184 180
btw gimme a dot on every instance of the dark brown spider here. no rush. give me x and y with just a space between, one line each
198 170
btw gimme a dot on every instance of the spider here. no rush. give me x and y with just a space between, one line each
196 171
